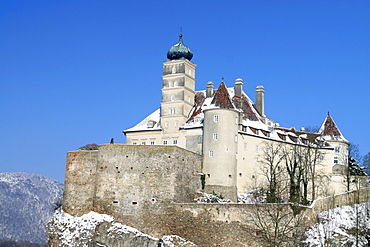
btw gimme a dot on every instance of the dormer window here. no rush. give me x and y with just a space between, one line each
151 123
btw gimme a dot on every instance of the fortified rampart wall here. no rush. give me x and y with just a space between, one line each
151 188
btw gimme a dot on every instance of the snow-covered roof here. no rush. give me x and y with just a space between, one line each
151 122
330 131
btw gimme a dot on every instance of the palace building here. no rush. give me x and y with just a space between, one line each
230 131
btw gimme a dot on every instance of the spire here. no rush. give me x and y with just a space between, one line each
180 36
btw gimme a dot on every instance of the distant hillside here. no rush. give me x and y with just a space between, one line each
27 202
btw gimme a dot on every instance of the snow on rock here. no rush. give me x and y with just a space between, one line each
176 241
95 229
342 226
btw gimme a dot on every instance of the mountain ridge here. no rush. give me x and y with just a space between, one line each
27 202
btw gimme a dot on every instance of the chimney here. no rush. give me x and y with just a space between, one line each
209 91
238 87
260 100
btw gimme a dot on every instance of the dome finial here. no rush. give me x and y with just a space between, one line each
180 36
179 51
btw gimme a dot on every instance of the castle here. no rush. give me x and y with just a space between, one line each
227 129
214 141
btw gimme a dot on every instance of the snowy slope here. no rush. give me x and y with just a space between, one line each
27 202
342 226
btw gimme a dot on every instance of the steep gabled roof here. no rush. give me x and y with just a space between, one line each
249 112
330 131
222 98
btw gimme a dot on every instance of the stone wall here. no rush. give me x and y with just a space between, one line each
151 188
79 184
125 179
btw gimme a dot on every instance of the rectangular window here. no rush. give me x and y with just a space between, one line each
335 160
200 139
165 142
143 143
337 149
210 153
215 118
236 138
215 136
257 148
174 142
152 142
245 145
134 143
172 111
321 157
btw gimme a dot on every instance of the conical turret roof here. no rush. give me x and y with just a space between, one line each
330 131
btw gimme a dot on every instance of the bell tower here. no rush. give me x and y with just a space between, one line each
178 85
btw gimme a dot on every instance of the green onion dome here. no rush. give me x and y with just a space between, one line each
179 51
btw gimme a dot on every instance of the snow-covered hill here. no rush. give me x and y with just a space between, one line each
342 226
27 202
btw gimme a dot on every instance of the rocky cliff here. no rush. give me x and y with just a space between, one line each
95 229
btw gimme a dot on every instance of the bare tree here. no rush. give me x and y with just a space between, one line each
276 224
271 169
295 169
311 157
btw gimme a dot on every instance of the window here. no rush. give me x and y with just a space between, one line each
172 110
236 138
337 149
257 132
174 142
134 143
152 142
335 160
215 136
321 157
176 84
210 153
166 125
165 142
245 145
257 148
170 84
176 123
200 139
172 97
215 118
236 120
143 143
173 70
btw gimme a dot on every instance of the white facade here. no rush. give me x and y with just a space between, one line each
227 128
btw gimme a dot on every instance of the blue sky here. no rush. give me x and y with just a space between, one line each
80 72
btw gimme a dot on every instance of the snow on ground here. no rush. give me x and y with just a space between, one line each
79 231
342 226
